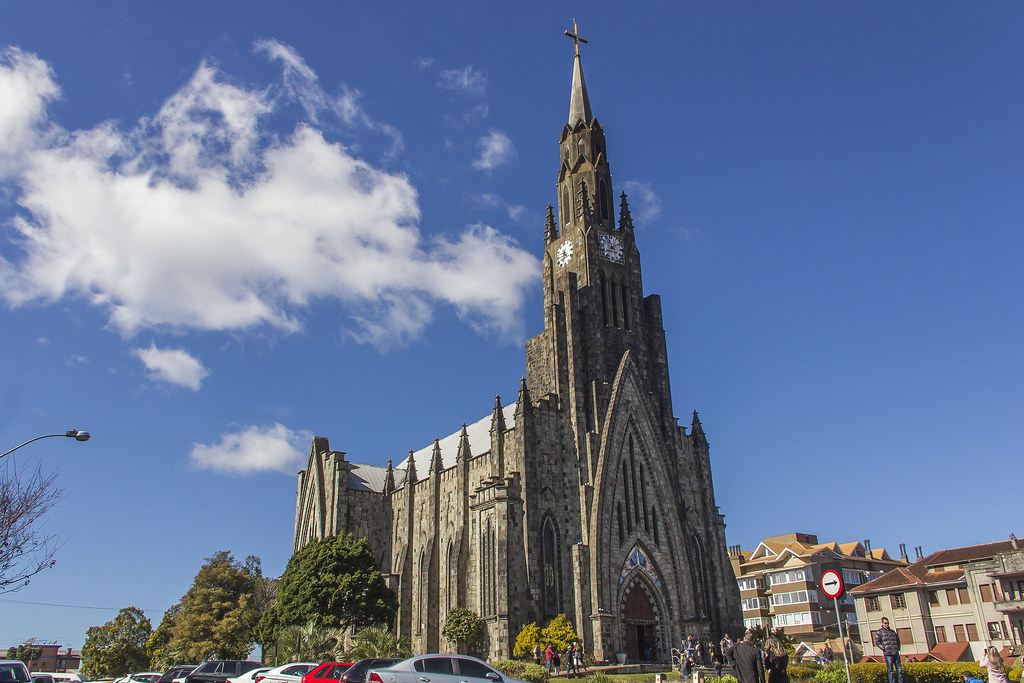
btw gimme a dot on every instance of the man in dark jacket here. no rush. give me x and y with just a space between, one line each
746 658
888 641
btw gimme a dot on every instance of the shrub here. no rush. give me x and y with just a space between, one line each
1014 674
600 677
803 672
723 679
524 671
529 636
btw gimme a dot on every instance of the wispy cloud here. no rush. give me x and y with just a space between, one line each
495 150
174 366
644 204
464 81
270 448
515 212
202 218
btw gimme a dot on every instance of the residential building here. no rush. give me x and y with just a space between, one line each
949 605
54 658
779 584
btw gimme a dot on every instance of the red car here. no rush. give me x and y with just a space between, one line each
326 673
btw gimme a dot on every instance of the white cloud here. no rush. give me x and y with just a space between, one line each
202 218
174 366
465 81
26 87
516 212
644 204
255 449
495 150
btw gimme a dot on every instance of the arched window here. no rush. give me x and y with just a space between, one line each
422 606
450 570
654 523
551 569
643 496
566 209
604 299
622 536
602 199
625 491
632 467
625 305
615 311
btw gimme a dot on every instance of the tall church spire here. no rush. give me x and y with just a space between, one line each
579 103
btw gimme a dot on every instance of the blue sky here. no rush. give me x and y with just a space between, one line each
226 227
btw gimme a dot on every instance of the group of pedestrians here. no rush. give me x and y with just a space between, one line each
553 659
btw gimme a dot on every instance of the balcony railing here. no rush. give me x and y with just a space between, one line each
1009 605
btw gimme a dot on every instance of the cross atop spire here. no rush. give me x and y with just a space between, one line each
576 38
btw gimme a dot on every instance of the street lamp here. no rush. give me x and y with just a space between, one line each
75 434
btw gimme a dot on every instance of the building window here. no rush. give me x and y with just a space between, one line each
965 598
871 604
972 631
906 636
550 548
986 592
958 633
898 601
995 630
933 598
940 634
951 597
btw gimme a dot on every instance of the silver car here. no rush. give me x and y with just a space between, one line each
438 668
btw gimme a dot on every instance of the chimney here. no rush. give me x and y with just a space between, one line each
1013 541
903 553
920 555
867 545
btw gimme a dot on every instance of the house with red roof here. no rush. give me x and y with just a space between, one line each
949 605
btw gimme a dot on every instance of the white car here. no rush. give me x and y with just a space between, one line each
14 671
286 673
438 668
248 676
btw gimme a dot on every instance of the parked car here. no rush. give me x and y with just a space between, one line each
330 672
14 671
144 677
220 670
441 669
249 676
69 677
177 673
41 677
286 673
357 672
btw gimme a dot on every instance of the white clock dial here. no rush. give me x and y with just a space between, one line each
611 247
564 254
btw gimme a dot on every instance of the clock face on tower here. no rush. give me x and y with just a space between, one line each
564 255
611 247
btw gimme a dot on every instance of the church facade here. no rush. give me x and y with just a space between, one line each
582 497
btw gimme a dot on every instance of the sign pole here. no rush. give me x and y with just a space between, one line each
842 639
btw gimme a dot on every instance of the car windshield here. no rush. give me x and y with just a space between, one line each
13 673
206 668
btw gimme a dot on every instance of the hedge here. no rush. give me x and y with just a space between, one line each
524 671
913 672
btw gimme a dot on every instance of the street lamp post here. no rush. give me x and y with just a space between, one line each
75 434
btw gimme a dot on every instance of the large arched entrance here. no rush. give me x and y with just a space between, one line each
639 620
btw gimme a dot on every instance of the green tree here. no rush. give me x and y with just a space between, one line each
217 618
559 633
462 627
377 641
118 647
26 652
528 638
335 582
25 547
310 643
160 656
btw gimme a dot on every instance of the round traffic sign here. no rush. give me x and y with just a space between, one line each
832 583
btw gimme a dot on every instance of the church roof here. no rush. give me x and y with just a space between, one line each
366 477
579 103
479 434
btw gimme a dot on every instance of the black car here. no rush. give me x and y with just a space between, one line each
219 670
357 672
178 671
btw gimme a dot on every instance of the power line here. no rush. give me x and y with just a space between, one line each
58 604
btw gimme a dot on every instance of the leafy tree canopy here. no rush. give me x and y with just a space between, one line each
217 616
462 627
528 638
118 647
160 656
336 583
26 652
310 643
559 633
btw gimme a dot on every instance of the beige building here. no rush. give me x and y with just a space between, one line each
779 585
583 495
949 605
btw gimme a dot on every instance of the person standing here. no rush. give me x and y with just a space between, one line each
549 655
536 654
726 644
747 660
994 663
888 641
776 661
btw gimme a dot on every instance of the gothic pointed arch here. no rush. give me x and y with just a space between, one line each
551 568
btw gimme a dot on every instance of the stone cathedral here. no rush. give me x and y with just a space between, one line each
583 496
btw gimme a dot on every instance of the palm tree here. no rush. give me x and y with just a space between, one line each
378 641
311 644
